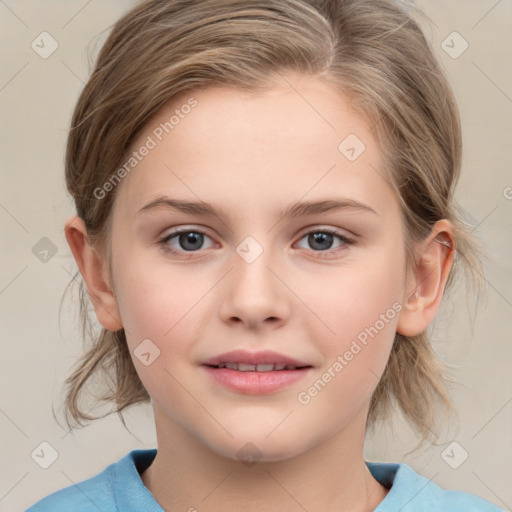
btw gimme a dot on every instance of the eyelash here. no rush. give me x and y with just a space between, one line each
163 243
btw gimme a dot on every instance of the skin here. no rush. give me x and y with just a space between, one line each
253 155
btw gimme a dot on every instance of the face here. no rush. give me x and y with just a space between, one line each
318 288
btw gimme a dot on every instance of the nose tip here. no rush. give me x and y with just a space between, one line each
253 295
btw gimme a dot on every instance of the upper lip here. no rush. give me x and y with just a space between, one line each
255 358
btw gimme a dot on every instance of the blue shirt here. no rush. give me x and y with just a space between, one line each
119 488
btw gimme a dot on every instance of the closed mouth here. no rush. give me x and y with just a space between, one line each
269 367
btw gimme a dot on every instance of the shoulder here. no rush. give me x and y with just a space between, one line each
410 492
92 494
101 492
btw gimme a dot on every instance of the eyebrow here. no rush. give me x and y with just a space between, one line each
294 210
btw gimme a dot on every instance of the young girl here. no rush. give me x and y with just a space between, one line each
265 227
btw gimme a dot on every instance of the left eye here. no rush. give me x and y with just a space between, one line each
322 240
188 240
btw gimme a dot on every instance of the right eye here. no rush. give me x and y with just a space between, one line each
183 241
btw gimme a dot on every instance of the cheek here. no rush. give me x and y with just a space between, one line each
353 296
157 299
359 309
161 305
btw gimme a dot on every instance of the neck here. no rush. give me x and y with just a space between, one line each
186 475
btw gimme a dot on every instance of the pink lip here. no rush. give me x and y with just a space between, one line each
246 357
254 382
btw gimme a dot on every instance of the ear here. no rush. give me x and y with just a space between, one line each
94 271
425 284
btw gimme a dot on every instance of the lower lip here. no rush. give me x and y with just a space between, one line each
255 383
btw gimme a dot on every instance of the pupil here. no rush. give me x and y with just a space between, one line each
320 240
190 238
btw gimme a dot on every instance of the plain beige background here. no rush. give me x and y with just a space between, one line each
37 96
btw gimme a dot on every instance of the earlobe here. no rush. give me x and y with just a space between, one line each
93 269
426 287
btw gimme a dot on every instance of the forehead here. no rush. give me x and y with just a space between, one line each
298 137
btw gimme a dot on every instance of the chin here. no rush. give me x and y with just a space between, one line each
255 448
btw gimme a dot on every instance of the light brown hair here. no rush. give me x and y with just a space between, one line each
371 50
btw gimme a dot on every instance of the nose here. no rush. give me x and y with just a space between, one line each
254 295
